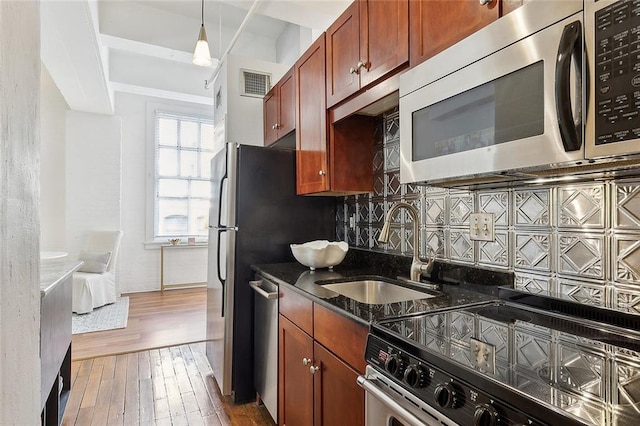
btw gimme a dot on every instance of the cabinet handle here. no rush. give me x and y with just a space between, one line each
313 369
306 361
485 2
363 64
273 127
277 126
352 70
322 173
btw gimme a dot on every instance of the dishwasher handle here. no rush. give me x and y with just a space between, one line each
256 286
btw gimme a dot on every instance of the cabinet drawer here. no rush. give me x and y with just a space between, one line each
297 308
343 336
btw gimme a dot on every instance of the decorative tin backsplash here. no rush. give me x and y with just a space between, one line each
579 240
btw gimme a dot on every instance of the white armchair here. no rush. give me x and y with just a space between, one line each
91 289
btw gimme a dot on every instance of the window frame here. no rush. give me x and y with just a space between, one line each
153 110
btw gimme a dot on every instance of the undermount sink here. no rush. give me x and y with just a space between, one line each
373 292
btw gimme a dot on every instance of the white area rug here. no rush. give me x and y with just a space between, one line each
106 317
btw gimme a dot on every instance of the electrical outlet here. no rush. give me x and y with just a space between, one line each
352 221
481 227
483 355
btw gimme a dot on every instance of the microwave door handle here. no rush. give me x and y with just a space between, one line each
569 49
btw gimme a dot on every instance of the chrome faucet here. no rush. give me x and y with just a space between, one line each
418 267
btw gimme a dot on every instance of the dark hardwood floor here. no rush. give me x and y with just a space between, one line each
154 371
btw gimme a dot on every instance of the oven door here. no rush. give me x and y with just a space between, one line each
387 406
518 108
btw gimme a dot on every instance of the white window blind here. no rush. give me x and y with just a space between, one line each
183 151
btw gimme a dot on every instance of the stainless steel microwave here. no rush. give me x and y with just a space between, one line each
554 84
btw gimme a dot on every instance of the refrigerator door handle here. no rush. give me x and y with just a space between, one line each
220 231
224 178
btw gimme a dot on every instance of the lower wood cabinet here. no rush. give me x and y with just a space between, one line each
316 385
295 387
338 400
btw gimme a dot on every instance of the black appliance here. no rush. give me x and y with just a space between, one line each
255 214
504 363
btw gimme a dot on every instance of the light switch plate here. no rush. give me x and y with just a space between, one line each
352 221
481 227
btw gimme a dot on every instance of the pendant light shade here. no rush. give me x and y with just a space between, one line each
201 54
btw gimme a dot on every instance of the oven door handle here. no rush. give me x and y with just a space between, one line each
370 386
569 49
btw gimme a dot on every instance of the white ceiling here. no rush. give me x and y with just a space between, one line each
92 48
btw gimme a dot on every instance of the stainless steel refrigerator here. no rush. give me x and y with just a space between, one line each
255 214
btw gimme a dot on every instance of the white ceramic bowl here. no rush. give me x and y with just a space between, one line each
320 253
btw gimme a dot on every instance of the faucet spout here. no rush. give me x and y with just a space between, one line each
418 267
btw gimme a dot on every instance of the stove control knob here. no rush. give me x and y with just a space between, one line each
415 376
445 395
485 415
394 365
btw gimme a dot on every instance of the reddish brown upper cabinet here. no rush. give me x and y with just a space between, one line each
330 160
367 42
437 24
280 109
311 120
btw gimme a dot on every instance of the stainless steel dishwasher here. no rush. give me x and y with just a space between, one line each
265 339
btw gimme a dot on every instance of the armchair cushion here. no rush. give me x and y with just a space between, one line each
94 262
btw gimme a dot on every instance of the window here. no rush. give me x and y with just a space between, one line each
184 146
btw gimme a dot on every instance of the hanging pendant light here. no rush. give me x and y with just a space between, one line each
201 54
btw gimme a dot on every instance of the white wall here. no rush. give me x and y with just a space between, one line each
19 205
244 113
93 177
53 109
293 41
139 265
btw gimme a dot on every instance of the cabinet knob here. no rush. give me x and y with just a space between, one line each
277 126
313 369
485 2
362 64
273 127
322 173
306 361
352 70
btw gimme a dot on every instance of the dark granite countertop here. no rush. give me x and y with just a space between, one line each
366 264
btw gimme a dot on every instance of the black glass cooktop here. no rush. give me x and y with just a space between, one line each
588 370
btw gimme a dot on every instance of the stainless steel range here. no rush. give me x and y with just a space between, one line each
502 364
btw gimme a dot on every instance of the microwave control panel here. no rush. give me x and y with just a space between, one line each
617 79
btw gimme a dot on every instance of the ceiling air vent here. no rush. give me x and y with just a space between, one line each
255 84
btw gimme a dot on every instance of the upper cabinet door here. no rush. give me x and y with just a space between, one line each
271 116
368 41
312 174
287 120
343 55
438 24
384 37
